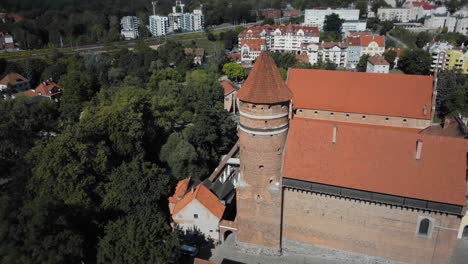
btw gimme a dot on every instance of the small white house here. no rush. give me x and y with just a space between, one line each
377 64
196 208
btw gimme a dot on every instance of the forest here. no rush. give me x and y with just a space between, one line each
86 179
57 23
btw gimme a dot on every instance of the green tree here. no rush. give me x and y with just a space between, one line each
452 93
142 237
415 61
327 65
390 57
362 64
135 185
385 27
234 71
362 6
378 4
333 23
422 39
268 21
284 60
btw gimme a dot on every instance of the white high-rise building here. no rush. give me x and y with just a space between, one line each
316 17
130 25
159 25
178 20
198 20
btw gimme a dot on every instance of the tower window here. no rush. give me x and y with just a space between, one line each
423 228
261 167
195 216
404 120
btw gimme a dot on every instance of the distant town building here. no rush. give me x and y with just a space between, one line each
354 25
6 41
158 25
15 82
47 89
377 64
270 13
335 52
181 21
130 27
197 53
457 59
361 43
438 51
250 49
316 17
10 17
277 38
292 12
400 14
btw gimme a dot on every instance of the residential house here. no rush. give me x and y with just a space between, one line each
6 41
230 93
47 89
197 53
15 82
377 64
251 49
316 17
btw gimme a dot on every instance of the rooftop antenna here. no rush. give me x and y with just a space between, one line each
154 3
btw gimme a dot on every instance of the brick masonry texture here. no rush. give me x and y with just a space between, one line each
368 228
259 191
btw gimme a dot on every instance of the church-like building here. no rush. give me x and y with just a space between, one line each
349 161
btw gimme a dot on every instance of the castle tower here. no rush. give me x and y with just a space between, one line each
264 103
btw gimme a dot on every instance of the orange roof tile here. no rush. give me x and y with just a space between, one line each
228 87
47 88
364 93
205 197
367 39
378 60
13 79
180 190
377 159
253 44
264 84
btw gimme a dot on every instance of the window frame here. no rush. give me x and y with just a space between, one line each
430 228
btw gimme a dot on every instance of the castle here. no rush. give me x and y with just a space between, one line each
349 161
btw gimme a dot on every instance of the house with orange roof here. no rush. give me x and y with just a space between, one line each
345 160
280 38
251 48
363 43
47 89
198 208
15 82
377 64
230 92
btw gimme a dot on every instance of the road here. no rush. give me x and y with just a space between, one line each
403 45
100 48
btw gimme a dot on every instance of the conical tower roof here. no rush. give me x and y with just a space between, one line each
264 84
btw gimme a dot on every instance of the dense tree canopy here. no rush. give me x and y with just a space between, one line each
452 94
415 61
333 23
362 64
86 179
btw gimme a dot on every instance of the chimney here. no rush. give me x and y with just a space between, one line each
419 144
335 130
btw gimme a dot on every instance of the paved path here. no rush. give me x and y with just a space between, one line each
311 255
403 45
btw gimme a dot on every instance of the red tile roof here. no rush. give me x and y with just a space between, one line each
364 93
13 79
264 84
205 197
253 44
228 87
378 60
47 88
423 4
367 39
256 31
329 45
180 190
377 159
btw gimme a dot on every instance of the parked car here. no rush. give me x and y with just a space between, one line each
189 250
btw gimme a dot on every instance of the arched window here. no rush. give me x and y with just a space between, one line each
424 227
465 232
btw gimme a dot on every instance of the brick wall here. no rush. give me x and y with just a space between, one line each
259 191
379 230
365 118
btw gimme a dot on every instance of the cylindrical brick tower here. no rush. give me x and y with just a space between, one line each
264 103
